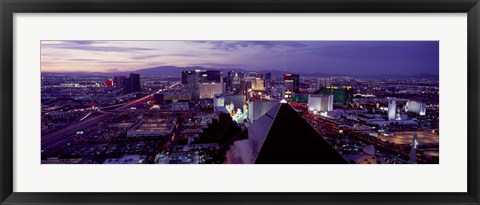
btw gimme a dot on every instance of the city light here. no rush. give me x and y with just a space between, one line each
347 108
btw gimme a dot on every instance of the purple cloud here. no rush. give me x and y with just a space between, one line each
142 57
91 46
81 60
103 48
81 42
237 45
372 50
346 57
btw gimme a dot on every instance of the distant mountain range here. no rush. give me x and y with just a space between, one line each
176 71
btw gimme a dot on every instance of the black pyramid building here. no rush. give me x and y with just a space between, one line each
282 136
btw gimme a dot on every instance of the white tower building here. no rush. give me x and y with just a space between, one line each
320 103
392 107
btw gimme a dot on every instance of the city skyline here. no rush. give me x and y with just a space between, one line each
342 57
371 110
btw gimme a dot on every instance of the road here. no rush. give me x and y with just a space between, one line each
55 138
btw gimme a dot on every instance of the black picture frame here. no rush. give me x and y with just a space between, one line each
10 7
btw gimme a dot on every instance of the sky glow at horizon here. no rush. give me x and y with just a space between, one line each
342 57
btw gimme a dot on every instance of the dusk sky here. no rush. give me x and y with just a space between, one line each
342 57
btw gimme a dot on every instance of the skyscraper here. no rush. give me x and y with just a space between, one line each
118 80
131 84
323 82
189 79
208 76
186 76
235 82
268 78
291 82
126 85
135 81
391 108
214 76
258 84
342 94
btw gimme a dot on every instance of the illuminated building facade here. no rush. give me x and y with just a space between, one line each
320 103
416 107
254 81
235 82
392 108
192 80
278 91
341 94
208 90
258 84
291 82
323 82
108 83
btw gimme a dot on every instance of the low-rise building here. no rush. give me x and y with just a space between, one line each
152 128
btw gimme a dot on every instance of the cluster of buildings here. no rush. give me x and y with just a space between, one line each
66 98
205 84
248 95
210 116
129 84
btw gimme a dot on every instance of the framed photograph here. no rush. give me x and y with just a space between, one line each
242 102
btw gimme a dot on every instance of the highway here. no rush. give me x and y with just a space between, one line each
55 138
